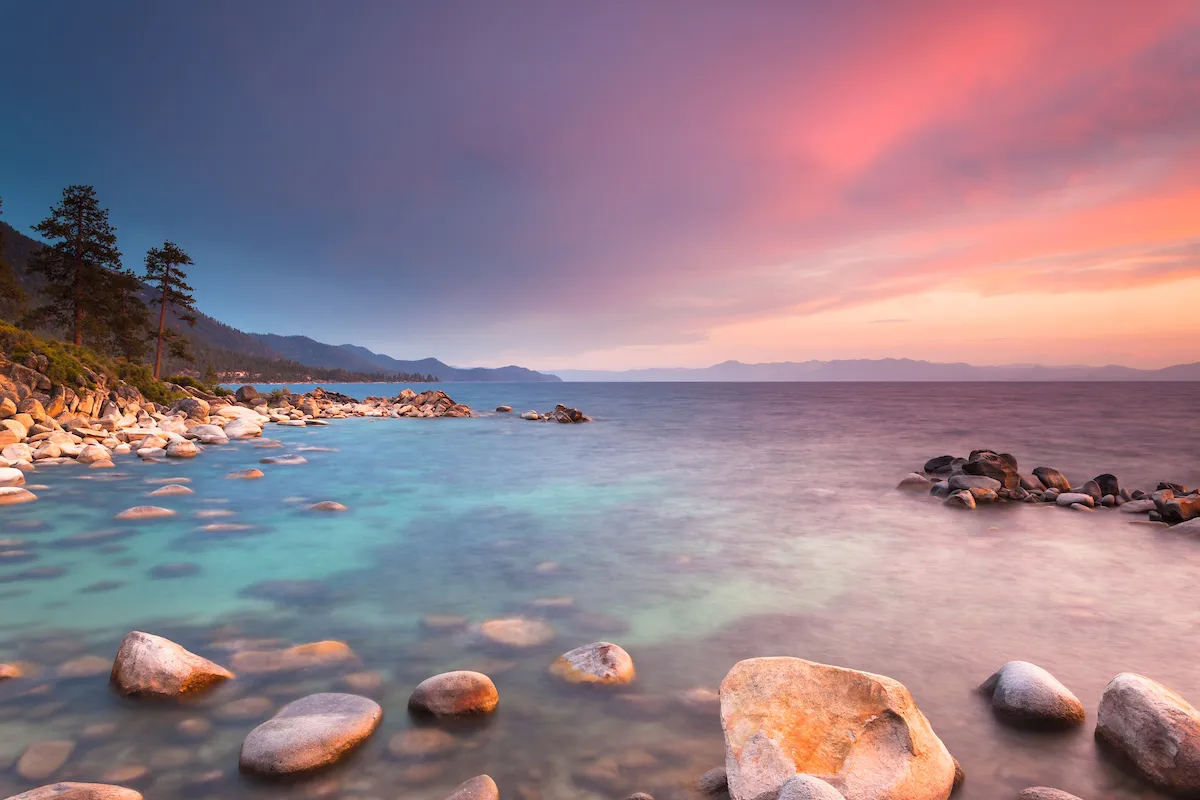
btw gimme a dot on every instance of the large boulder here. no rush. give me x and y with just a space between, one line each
1108 484
182 448
1026 694
1000 466
1052 478
599 663
192 408
151 666
312 732
455 694
242 427
246 394
78 791
859 732
1156 729
968 482
481 787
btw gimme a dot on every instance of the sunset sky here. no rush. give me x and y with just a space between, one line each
632 184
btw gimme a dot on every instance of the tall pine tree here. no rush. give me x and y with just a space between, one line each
130 328
164 266
78 264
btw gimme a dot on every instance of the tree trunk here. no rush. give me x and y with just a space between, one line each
77 326
162 324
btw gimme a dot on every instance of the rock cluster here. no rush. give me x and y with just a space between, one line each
986 477
561 414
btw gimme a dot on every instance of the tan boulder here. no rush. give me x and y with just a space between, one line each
151 666
455 693
1156 729
600 663
859 732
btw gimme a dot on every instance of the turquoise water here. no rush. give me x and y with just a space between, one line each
693 524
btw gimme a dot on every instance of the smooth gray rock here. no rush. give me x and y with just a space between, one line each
940 489
807 787
1044 793
481 787
713 782
1156 729
1138 506
914 482
1191 526
1071 498
1026 694
312 732
958 482
78 791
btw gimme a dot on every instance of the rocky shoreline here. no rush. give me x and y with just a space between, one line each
986 477
793 728
45 424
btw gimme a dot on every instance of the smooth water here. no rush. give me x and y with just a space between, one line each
693 524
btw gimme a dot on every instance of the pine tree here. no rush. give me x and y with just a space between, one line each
130 319
211 378
164 266
12 296
78 264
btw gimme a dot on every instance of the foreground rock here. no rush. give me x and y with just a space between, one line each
310 733
600 663
481 787
79 791
455 694
806 787
859 732
1026 694
1156 729
151 666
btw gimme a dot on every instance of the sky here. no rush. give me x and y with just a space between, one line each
629 184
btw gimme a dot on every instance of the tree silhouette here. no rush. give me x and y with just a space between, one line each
164 266
78 264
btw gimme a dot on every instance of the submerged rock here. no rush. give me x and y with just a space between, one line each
421 743
245 474
44 758
170 490
1026 694
455 693
597 663
289 460
15 495
517 633
1044 793
145 512
79 791
481 787
914 482
302 656
309 733
1156 729
327 505
859 732
152 666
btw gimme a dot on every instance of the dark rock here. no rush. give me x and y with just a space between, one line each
962 499
181 569
1052 478
246 394
1108 484
1180 509
1176 488
1091 488
714 782
1001 467
960 776
939 464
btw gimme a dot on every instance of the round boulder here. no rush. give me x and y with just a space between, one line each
808 787
14 495
182 448
455 694
602 663
1026 694
1156 729
152 666
1052 479
245 474
914 482
481 787
79 791
312 732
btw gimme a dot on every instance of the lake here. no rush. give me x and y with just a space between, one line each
694 524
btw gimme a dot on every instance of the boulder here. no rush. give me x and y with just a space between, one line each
170 490
1052 479
1156 729
1073 498
914 482
1138 506
1000 466
1092 490
859 732
599 663
182 448
517 633
145 512
11 476
1030 483
151 666
1026 694
312 732
1044 793
246 394
208 434
245 474
481 787
302 656
454 694
327 505
288 460
15 495
192 408
531 415
242 428
44 758
807 787
503 409
960 482
1191 526
1180 508
939 464
1108 484
962 499
79 791
93 452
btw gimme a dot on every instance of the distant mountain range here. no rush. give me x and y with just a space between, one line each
884 369
277 358
360 359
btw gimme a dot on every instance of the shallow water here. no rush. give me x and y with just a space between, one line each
694 524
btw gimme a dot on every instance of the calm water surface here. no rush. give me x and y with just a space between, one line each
694 524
